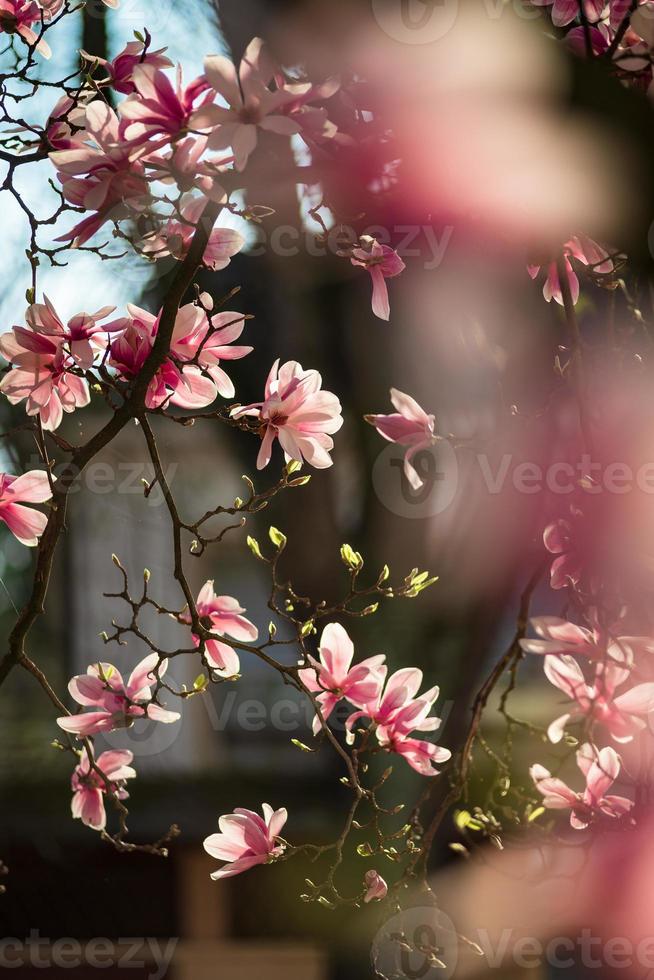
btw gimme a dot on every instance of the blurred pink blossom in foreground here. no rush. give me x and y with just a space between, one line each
601 769
623 716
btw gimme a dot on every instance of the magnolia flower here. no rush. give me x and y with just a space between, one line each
408 426
33 487
421 755
335 678
224 615
586 251
174 238
599 40
54 6
250 103
121 68
396 713
399 696
182 163
19 17
43 376
600 769
297 412
622 716
226 327
83 335
131 348
66 113
565 11
117 704
245 839
177 381
156 108
558 636
89 787
382 262
376 887
113 185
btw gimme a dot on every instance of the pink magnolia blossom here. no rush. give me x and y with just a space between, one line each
33 487
565 11
558 636
184 164
599 40
251 104
408 426
226 327
398 696
121 68
158 111
586 251
224 615
175 237
177 381
82 336
245 840
117 703
98 174
622 716
382 262
89 787
335 678
43 376
376 887
600 769
66 114
421 755
297 412
20 17
53 7
396 713
314 121
131 348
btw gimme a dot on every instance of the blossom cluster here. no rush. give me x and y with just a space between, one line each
171 148
598 670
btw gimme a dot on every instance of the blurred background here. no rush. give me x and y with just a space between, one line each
470 338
